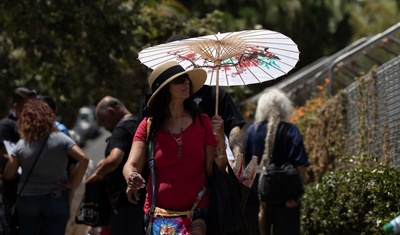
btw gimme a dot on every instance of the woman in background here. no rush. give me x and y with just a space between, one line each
43 206
273 111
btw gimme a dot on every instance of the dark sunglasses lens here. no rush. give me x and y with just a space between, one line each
179 80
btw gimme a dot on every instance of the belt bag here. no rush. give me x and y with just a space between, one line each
170 222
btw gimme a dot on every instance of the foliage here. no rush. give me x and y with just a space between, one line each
79 51
320 121
352 181
319 27
356 201
340 132
352 184
365 21
328 25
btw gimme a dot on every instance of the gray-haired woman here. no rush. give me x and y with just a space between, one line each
273 111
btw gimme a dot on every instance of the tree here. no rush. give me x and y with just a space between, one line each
319 27
79 51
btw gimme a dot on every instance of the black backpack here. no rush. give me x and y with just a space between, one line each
280 183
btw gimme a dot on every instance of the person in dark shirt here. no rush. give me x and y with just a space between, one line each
126 218
8 125
233 119
9 132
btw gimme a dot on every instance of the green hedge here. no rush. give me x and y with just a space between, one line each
356 201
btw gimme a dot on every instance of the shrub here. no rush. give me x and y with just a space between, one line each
356 201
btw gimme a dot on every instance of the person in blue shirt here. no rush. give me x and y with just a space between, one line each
273 111
52 104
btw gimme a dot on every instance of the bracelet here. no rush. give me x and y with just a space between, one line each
222 148
221 156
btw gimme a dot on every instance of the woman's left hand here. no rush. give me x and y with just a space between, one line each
217 153
218 126
292 203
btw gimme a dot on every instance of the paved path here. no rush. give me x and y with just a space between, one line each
95 148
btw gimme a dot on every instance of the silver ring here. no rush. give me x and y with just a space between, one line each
134 175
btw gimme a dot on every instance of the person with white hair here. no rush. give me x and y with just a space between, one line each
272 134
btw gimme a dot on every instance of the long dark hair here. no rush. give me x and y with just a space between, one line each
160 109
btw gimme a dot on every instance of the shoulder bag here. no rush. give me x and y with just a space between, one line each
14 213
225 210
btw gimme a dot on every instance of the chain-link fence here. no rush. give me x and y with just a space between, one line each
373 114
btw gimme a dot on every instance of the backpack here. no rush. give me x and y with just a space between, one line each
280 183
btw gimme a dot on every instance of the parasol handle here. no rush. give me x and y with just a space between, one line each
217 93
217 65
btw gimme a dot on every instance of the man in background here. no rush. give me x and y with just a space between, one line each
126 218
9 134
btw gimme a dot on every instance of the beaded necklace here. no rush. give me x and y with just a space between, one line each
178 140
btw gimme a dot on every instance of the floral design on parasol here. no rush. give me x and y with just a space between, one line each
230 59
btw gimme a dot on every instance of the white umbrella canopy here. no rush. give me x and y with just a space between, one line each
230 59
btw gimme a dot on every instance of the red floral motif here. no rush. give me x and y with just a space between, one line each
253 56
190 56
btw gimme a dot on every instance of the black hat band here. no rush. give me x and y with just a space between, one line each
165 75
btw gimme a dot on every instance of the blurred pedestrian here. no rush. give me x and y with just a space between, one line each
272 114
75 196
43 206
126 218
52 104
9 133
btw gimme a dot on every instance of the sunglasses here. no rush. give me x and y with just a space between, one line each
181 79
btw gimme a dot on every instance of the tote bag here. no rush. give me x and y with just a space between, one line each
95 207
225 209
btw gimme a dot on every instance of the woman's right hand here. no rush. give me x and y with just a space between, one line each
136 181
292 203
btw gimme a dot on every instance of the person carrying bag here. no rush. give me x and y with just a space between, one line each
43 205
280 183
275 196
14 214
163 221
185 143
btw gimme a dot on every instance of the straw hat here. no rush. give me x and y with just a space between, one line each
168 71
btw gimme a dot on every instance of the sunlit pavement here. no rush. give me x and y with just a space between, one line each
95 148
